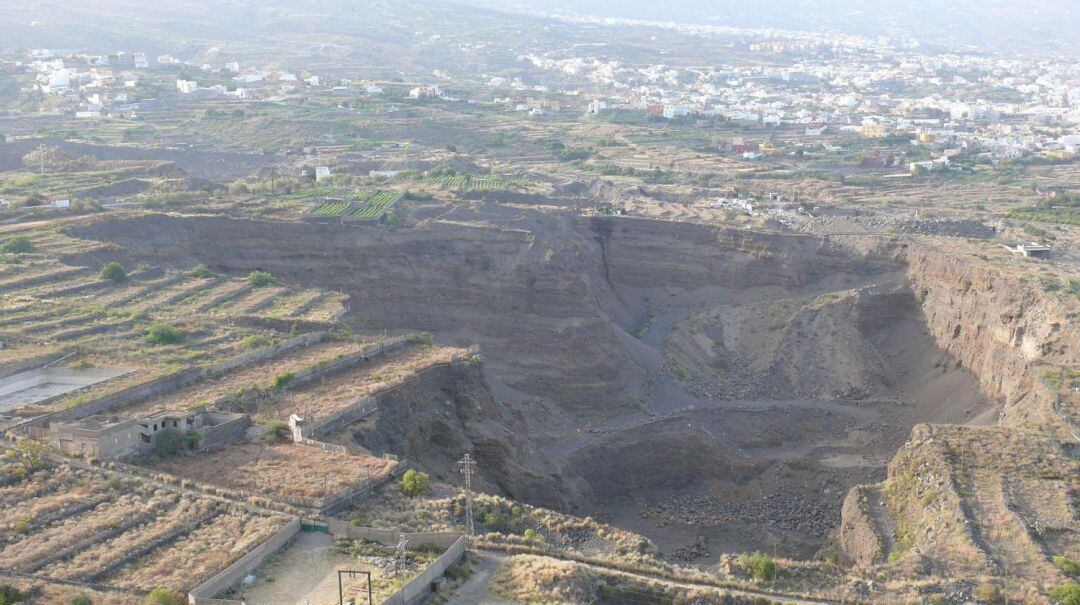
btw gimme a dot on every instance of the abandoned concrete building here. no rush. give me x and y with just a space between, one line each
1031 250
109 437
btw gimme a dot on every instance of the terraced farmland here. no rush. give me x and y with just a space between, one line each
368 206
469 182
84 525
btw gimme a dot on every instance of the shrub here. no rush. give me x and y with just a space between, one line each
255 341
81 599
260 279
202 272
415 483
17 245
283 379
531 535
9 595
162 334
278 430
1066 594
760 566
112 270
163 596
988 593
1067 565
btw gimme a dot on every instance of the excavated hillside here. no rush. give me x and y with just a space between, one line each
714 389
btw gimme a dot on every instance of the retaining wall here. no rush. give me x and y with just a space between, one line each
324 446
32 363
342 418
317 427
390 537
314 373
224 433
420 587
204 593
329 505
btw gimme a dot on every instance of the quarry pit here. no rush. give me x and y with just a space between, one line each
713 389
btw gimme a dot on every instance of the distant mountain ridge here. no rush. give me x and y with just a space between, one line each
1030 26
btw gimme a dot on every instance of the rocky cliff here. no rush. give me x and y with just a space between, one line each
1019 338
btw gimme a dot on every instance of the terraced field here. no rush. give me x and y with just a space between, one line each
368 205
336 392
259 376
79 524
49 306
469 182
277 470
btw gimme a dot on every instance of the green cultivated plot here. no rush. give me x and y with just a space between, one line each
372 206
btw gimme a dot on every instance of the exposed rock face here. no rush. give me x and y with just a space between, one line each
860 540
527 301
448 410
545 303
951 491
553 302
1007 331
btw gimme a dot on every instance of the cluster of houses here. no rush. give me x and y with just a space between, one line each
1004 107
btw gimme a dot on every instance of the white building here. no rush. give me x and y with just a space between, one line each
187 86
676 111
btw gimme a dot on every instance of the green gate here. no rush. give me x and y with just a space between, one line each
311 525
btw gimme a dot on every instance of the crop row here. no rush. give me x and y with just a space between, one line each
482 183
371 206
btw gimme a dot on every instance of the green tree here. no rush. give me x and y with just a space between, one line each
281 380
202 272
760 566
278 430
9 595
20 244
255 341
114 271
81 599
260 279
1066 594
1067 565
163 596
415 483
989 593
162 334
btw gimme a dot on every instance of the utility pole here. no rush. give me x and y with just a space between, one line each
399 554
467 466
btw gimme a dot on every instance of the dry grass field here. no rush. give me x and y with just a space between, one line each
277 469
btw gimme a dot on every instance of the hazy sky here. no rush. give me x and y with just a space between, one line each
995 24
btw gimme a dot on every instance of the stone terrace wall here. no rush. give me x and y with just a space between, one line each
389 537
30 364
420 586
225 433
204 593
